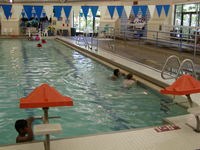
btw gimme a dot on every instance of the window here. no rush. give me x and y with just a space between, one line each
190 8
187 15
90 24
178 15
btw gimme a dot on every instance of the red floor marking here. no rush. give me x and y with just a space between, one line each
167 128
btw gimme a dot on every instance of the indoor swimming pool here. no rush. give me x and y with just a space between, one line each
100 104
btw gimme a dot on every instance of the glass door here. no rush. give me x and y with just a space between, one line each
193 23
186 22
194 18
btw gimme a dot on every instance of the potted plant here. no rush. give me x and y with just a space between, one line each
51 30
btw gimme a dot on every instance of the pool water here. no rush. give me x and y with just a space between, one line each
100 104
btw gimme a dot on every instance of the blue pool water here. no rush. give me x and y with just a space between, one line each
100 105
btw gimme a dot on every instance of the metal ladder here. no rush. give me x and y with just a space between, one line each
174 73
171 73
86 40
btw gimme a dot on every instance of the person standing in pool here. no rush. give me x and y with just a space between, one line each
116 74
129 81
24 129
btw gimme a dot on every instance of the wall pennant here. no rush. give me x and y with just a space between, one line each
135 10
111 10
159 9
144 10
67 10
7 10
76 10
28 11
166 9
49 11
151 9
127 10
63 13
85 10
94 10
57 11
38 11
120 10
16 11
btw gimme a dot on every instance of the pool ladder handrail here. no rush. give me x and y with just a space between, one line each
85 39
88 43
192 65
180 67
166 62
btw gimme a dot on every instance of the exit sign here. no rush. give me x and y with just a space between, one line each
135 2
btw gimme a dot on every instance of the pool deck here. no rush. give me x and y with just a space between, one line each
184 138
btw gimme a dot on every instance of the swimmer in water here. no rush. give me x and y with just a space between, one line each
116 74
129 81
24 129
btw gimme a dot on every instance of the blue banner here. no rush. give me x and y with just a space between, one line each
111 10
159 9
7 10
166 9
57 11
144 10
85 10
135 10
67 10
38 11
120 10
94 10
28 11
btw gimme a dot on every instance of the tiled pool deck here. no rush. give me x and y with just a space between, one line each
142 139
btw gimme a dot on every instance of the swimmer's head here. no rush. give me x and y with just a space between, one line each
116 72
129 76
21 125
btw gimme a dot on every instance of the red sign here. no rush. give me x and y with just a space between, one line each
167 128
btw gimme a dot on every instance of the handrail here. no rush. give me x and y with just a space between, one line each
88 44
166 62
192 64
180 67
